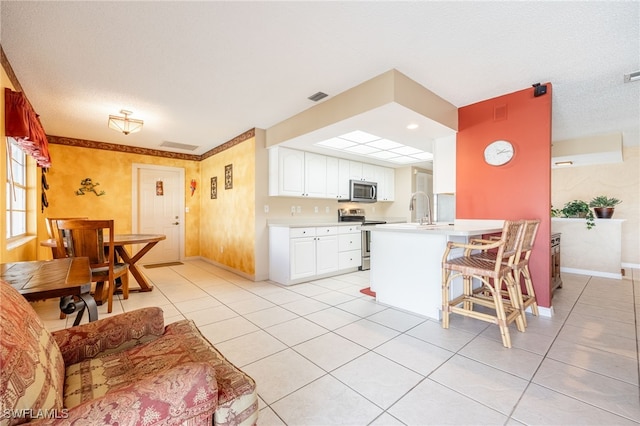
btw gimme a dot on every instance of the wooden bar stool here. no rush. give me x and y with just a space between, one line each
520 267
492 275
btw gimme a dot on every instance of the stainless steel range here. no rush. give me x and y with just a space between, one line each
358 215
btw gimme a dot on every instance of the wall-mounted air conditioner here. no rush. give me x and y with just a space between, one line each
586 151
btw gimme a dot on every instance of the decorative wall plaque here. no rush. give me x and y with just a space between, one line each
214 187
228 176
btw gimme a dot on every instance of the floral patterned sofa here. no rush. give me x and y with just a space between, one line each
128 369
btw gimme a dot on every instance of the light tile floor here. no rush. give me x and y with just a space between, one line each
322 353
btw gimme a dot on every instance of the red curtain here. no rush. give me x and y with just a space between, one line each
22 124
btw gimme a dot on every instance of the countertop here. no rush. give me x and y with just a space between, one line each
459 229
309 222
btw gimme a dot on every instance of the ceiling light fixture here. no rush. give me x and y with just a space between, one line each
125 124
365 144
412 126
632 76
564 163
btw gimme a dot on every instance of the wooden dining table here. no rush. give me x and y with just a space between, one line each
46 279
122 240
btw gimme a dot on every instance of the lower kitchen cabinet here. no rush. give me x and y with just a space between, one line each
349 247
301 254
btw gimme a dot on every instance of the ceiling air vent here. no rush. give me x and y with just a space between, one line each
179 146
317 96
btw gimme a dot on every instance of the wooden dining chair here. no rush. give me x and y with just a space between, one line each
52 230
86 238
492 276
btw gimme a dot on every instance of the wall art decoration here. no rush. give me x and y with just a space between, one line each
87 185
214 187
228 176
159 188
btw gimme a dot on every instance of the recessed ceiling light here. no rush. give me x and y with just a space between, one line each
384 144
407 150
336 143
412 126
359 136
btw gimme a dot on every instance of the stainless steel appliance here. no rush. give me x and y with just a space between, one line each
358 215
361 191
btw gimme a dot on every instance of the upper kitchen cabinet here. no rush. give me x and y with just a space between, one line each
385 177
444 165
338 173
315 175
286 172
361 171
294 173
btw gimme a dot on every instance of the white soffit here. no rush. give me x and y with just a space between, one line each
599 149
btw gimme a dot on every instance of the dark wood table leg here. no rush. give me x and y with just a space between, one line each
131 260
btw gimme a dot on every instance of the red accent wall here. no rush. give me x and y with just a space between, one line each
520 189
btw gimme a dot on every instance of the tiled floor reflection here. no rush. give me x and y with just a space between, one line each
322 353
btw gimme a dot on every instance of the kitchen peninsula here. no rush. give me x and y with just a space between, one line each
406 262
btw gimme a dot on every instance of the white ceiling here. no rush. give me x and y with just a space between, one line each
201 73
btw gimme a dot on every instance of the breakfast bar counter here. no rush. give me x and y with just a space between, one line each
406 262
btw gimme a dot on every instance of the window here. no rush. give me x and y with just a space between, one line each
16 191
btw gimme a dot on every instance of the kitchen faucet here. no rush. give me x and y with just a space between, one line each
428 217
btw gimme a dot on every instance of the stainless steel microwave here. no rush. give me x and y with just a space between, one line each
361 191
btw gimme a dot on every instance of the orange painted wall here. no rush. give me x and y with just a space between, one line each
521 189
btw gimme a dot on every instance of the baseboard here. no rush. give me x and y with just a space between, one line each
544 312
615 276
630 265
230 269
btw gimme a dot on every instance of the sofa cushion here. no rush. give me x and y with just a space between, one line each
31 365
237 396
182 343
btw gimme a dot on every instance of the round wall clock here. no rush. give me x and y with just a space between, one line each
498 153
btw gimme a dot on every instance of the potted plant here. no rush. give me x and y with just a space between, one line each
579 208
604 206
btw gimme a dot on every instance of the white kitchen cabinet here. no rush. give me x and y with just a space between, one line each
303 257
385 177
349 247
286 172
326 250
294 173
444 165
361 171
337 178
355 170
301 254
315 175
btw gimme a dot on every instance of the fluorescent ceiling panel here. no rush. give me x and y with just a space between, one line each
360 137
384 144
361 149
407 150
384 155
404 160
423 156
336 143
